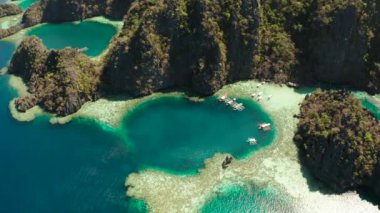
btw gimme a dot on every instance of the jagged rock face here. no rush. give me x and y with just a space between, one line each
9 10
29 58
337 48
339 140
183 44
60 81
202 45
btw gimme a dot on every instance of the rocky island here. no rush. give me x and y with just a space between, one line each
60 81
339 141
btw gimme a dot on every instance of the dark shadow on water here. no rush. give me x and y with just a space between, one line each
315 185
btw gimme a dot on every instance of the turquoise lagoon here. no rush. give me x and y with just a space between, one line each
87 34
82 166
26 3
177 134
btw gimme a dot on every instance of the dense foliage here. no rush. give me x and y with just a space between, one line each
60 81
338 139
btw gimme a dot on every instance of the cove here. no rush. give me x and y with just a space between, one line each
26 3
78 167
6 52
247 198
177 135
87 34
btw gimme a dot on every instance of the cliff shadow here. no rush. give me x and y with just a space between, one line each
313 183
366 193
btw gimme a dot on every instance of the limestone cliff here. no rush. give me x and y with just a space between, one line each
60 81
201 45
339 140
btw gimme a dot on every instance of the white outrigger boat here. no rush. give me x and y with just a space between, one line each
252 141
264 126
223 98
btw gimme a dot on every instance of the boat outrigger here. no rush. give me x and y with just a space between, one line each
231 102
265 126
252 141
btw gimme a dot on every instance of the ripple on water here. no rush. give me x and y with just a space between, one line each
87 34
177 135
247 198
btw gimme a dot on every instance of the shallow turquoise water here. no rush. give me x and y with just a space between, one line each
93 35
247 198
178 135
6 51
371 107
26 3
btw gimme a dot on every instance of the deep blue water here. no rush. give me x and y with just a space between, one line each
72 168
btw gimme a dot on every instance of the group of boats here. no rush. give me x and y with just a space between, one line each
260 96
264 127
231 102
240 107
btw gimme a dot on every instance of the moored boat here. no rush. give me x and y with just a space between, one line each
252 141
265 126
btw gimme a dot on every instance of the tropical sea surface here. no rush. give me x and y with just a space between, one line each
247 198
82 166
87 34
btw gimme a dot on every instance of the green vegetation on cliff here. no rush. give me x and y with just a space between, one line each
60 81
339 140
